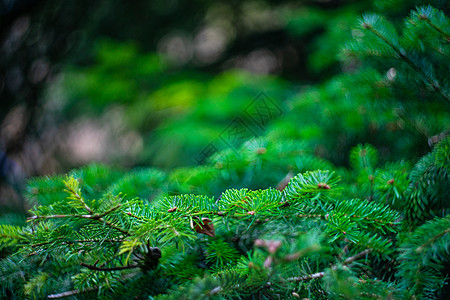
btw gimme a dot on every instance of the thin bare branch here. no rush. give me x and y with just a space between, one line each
104 269
321 274
69 293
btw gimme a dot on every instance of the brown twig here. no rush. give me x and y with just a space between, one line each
95 268
91 216
69 293
321 274
79 242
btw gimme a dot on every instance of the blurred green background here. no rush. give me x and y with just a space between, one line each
161 83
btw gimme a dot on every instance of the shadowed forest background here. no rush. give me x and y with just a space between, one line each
153 83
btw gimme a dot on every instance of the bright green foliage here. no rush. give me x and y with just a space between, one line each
113 237
34 286
263 242
10 235
219 253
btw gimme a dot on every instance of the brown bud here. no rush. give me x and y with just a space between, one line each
260 243
172 209
268 262
422 17
295 295
261 150
391 181
273 246
204 226
285 181
292 257
323 186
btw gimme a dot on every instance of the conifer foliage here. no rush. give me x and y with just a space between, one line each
223 231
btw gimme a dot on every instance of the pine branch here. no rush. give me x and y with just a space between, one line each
80 242
96 217
91 216
10 235
423 256
353 216
72 188
426 13
402 54
432 240
446 36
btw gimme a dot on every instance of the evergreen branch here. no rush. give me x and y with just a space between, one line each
426 13
110 224
401 114
134 216
79 242
432 240
423 256
78 291
327 216
321 274
402 54
91 216
430 174
96 217
110 210
10 235
72 188
95 268
447 37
